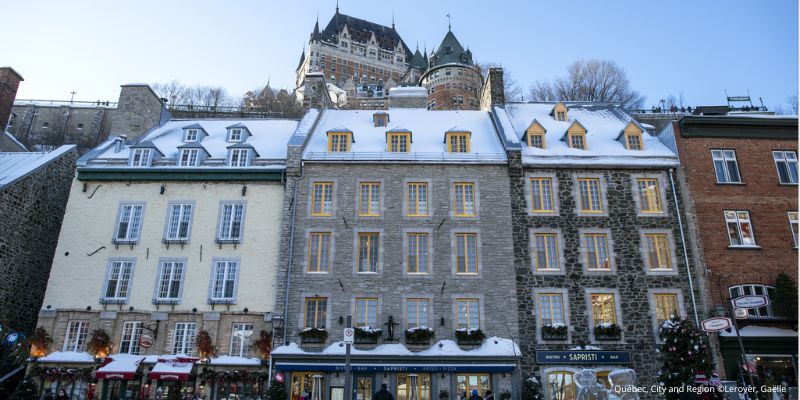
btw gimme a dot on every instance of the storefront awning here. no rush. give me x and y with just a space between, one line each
77 357
122 366
325 367
173 369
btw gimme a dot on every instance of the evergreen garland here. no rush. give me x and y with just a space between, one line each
100 343
685 355
532 389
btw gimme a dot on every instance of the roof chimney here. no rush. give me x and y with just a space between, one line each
9 83
494 90
119 142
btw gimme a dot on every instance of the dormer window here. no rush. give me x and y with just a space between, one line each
561 115
457 141
559 112
398 141
236 135
141 158
190 135
380 119
535 135
576 136
188 158
239 158
339 141
632 136
634 141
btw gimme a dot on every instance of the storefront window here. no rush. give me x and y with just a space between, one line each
775 369
176 390
236 391
560 386
78 390
303 384
467 383
122 390
423 388
364 388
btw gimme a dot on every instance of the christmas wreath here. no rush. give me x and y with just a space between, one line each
99 344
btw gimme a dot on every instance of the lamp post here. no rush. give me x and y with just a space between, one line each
277 326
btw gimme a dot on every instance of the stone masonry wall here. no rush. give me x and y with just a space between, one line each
32 210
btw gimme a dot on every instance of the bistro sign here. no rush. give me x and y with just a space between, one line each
583 357
750 301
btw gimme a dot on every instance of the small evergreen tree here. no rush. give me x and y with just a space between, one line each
276 391
25 391
684 352
785 302
532 389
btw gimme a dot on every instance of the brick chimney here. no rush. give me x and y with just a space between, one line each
493 90
9 83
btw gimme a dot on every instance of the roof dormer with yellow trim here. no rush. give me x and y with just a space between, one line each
339 140
457 140
559 112
575 136
535 135
398 140
632 136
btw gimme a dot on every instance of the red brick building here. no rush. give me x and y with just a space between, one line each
741 206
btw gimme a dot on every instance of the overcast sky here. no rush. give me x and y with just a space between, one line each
700 47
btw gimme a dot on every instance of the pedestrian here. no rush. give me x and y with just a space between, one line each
488 395
62 395
48 394
383 393
305 395
475 395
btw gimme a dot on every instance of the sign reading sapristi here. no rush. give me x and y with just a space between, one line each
583 357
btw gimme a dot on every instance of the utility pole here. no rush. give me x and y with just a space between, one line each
73 96
348 378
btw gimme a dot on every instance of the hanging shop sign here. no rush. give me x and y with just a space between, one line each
740 313
750 301
716 324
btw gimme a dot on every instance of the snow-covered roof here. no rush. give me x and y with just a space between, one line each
603 123
428 128
67 357
234 360
491 347
122 363
16 165
269 139
761 331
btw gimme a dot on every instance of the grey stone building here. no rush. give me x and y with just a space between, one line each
399 219
598 243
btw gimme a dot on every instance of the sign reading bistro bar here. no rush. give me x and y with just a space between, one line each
583 357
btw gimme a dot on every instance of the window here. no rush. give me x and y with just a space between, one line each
223 282
76 336
129 223
551 308
417 253
417 205
170 278
464 199
369 200
131 331
316 311
561 386
235 135
468 316
178 222
191 135
590 199
755 290
366 312
786 163
793 226
633 141
561 116
417 312
322 199
45 125
118 277
188 158
577 140
597 254
231 222
239 158
466 253
545 252
649 195
666 306
339 141
466 383
398 142
240 339
319 251
659 256
536 140
140 158
740 231
80 126
458 142
542 195
603 309
725 166
183 338
368 245
380 119
421 386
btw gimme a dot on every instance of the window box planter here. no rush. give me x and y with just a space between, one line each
606 331
420 335
470 337
367 335
313 336
554 332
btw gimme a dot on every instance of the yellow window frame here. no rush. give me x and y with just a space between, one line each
596 247
629 145
563 388
368 303
336 139
577 135
601 307
458 142
468 301
416 236
650 195
322 189
659 242
588 184
316 259
403 139
540 137
463 188
545 236
550 306
413 209
666 305
316 301
540 183
417 318
464 269
370 193
372 239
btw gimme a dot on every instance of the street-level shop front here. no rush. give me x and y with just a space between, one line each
559 370
771 354
444 371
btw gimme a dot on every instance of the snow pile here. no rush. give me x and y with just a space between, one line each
234 360
67 357
419 328
586 347
122 363
369 329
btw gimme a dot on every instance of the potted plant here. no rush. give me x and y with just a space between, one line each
367 334
419 335
470 336
313 335
555 331
607 331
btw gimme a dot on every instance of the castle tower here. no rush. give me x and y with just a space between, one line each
452 79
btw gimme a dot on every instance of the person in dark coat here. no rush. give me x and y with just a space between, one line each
488 395
475 395
62 395
383 394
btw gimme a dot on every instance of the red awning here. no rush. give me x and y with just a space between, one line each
119 366
177 369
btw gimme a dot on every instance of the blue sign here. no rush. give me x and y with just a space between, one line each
395 367
12 337
583 357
